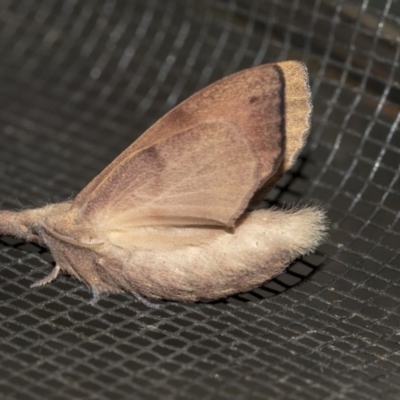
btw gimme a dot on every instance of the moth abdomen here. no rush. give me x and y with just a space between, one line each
261 247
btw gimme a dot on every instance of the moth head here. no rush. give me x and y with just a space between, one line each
28 224
19 224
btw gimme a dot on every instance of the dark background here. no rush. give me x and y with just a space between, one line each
80 80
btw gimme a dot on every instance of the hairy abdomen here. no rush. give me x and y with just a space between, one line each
190 264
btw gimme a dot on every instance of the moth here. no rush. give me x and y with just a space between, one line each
167 218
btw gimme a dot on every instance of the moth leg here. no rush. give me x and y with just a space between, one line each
145 301
95 297
47 279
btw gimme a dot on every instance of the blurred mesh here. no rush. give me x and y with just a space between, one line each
80 80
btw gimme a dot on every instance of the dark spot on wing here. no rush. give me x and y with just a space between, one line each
253 99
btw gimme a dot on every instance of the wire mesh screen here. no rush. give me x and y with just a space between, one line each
80 80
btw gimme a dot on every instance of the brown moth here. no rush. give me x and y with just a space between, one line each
166 219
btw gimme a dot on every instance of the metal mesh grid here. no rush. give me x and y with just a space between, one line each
81 80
